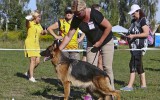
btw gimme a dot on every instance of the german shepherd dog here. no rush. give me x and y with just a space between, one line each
80 74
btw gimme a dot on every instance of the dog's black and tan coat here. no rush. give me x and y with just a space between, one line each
80 74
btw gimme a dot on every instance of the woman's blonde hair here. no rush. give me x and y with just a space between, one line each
35 14
78 5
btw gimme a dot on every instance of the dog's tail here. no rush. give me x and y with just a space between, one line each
116 93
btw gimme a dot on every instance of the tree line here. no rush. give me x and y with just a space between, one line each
13 12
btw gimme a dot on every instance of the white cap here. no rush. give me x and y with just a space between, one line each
134 7
29 17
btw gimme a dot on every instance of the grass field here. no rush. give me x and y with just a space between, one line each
13 83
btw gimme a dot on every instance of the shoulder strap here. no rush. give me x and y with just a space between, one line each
138 23
59 24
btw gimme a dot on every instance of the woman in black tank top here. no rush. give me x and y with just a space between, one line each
98 32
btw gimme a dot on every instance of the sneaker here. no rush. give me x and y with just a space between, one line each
126 88
87 97
32 79
26 74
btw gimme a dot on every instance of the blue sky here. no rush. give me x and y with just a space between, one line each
32 6
158 12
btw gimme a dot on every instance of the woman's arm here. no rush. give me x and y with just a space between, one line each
106 24
67 39
44 32
145 33
52 28
81 38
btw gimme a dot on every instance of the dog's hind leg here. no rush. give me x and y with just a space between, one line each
66 85
103 85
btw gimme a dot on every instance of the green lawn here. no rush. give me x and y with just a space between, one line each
13 83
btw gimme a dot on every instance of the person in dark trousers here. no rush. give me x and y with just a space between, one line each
138 33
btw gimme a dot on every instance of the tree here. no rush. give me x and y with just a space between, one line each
115 12
14 12
50 10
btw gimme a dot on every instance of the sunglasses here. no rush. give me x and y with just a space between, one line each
135 11
69 12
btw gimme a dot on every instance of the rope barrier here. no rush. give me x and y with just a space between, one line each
72 50
77 50
140 49
4 49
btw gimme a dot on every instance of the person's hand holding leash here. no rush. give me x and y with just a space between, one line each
131 36
59 37
97 44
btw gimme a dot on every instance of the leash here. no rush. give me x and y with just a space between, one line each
94 58
96 53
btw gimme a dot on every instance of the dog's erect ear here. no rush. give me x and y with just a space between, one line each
56 43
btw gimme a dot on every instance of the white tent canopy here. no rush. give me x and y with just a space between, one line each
119 29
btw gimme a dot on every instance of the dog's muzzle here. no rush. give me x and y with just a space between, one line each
46 54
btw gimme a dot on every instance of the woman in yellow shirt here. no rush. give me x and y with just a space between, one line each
63 25
34 30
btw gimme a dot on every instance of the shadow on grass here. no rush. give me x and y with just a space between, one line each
151 69
52 81
45 94
155 60
75 93
56 97
18 74
119 82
